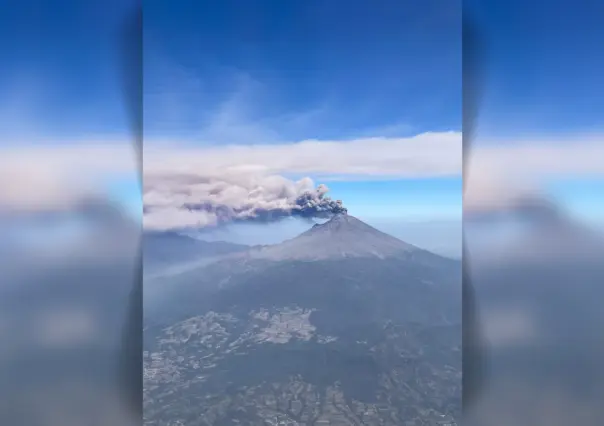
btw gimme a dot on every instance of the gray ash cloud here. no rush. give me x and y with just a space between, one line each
316 204
205 201
310 205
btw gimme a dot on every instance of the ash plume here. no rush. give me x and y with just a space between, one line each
317 204
196 201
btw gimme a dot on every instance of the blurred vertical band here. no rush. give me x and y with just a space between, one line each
473 350
533 267
70 268
131 59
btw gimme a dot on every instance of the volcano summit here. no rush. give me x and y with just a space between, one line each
343 236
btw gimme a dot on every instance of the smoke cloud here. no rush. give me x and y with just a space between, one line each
197 201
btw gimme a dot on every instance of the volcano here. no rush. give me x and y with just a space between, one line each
343 323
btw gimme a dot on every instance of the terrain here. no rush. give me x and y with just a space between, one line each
342 325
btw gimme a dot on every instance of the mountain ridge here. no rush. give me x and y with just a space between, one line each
163 248
342 237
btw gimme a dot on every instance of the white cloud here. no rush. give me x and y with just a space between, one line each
540 159
55 176
239 181
424 155
495 172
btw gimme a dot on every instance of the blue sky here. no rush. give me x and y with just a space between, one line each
287 71
319 70
409 199
61 84
60 71
276 72
543 83
542 72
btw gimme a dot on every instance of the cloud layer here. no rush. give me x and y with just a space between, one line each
425 155
59 176
196 185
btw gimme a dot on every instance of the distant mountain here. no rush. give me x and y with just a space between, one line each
164 248
342 323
